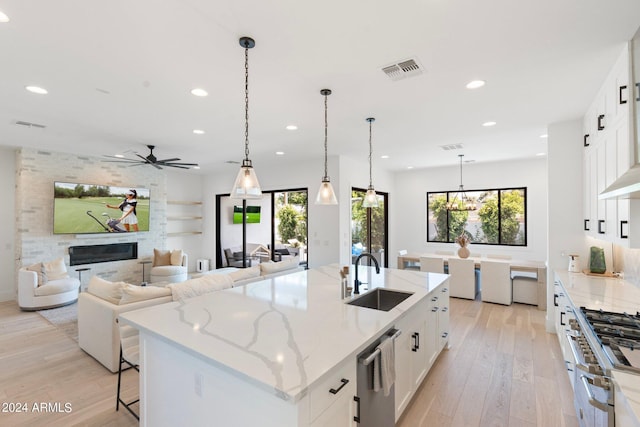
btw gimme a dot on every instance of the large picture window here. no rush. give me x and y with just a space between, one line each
500 217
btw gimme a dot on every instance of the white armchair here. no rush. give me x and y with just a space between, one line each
53 293
169 266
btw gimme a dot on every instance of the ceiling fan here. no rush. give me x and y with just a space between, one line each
152 160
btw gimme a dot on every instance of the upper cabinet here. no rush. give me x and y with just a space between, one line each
609 153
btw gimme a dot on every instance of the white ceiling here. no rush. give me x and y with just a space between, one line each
119 75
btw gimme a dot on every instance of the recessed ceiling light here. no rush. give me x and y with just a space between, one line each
292 127
3 17
475 84
487 124
36 89
199 92
384 157
541 154
279 153
196 167
544 135
120 156
198 131
409 167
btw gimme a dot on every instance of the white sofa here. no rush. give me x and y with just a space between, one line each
98 332
53 293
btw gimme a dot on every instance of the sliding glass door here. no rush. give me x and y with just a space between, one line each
369 227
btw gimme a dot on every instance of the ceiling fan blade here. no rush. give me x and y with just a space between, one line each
119 159
176 165
167 160
181 164
124 161
144 158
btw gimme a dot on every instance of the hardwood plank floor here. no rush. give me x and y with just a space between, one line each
502 369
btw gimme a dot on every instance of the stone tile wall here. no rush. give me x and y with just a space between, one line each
37 170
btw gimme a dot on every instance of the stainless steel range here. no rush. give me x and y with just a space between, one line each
601 342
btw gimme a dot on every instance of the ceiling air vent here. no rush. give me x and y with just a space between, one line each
29 124
452 147
407 68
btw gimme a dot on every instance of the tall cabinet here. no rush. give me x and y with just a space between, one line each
609 152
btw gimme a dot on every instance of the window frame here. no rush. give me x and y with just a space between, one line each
499 191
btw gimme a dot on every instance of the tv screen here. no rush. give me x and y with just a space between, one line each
253 214
89 208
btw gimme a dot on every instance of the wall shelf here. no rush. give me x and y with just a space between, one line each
179 202
180 218
179 212
184 233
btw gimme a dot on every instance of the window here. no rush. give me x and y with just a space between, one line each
500 217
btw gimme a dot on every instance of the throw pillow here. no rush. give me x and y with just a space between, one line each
161 257
108 291
245 273
132 293
55 269
176 257
39 270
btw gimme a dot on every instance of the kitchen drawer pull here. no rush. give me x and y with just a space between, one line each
344 382
555 300
445 309
586 225
638 87
434 309
445 334
603 406
356 418
622 233
600 224
578 360
585 142
600 124
562 313
434 299
445 290
416 341
620 89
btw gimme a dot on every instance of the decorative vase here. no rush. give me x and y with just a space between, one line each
463 252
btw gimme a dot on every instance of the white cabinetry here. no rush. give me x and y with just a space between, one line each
425 332
563 311
331 402
608 154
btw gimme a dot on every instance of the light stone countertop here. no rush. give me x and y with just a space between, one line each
282 334
608 294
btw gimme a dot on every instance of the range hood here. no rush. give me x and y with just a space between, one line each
625 187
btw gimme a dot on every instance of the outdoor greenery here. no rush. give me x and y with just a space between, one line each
359 222
498 220
291 215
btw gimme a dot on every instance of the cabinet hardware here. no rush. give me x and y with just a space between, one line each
600 224
344 382
417 339
555 300
620 89
445 334
357 416
562 313
622 233
638 87
586 225
434 299
445 289
445 309
585 142
414 347
600 124
434 309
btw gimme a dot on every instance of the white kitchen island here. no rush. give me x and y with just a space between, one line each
267 353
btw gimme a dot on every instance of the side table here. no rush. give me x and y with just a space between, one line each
143 264
80 270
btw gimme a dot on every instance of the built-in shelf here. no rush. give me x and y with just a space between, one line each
191 211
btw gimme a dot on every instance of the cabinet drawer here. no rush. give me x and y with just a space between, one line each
321 397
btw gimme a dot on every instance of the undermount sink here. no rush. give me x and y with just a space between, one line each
380 299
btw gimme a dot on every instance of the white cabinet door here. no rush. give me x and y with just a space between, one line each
423 344
404 384
443 319
341 411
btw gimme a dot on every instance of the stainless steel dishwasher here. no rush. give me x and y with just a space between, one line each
374 408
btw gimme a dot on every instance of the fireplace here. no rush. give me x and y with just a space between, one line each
94 254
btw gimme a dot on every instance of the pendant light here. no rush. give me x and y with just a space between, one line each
371 198
460 201
246 185
326 195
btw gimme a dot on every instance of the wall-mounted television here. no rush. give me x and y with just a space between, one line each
91 208
253 214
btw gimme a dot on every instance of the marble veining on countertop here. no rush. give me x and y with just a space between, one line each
609 294
282 333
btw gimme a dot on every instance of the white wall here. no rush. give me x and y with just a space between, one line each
8 218
410 229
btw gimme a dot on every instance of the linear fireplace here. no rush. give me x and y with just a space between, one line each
94 254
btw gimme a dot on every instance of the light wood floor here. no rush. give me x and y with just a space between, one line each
502 369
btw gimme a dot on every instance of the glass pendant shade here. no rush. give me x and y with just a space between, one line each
460 201
326 195
370 199
246 185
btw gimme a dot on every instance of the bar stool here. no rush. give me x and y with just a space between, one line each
129 354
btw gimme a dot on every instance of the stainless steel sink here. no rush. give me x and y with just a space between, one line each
380 299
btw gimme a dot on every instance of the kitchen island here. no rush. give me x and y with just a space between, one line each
268 353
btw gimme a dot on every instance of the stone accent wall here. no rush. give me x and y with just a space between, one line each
37 170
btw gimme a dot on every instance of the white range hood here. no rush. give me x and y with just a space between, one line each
625 187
